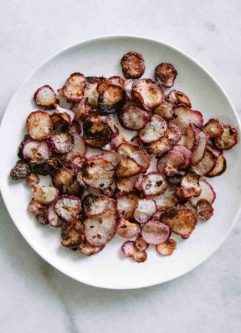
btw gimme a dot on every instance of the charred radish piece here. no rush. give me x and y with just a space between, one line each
53 219
127 168
66 114
154 183
62 179
189 187
166 248
140 244
206 164
61 143
204 210
181 220
35 151
207 193
20 171
184 116
199 147
128 88
97 132
90 91
145 209
88 250
228 139
133 117
165 74
82 110
219 167
32 179
179 98
126 205
94 204
44 195
155 232
147 93
68 208
139 155
165 110
213 128
39 125
78 149
127 229
72 234
129 250
45 97
166 200
154 130
73 89
126 184
133 65
112 99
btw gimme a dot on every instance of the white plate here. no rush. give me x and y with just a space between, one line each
109 269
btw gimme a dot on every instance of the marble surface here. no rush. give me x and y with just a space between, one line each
36 297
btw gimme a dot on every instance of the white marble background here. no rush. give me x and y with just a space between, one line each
34 297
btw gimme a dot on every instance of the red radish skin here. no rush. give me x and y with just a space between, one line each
155 232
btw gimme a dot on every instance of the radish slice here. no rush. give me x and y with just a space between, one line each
37 209
94 204
165 110
166 200
207 192
206 164
147 93
53 218
140 244
184 116
228 139
199 147
177 158
128 88
68 207
88 250
96 131
189 187
35 151
61 143
20 171
145 209
188 139
72 234
117 80
82 110
73 88
127 229
39 125
132 64
219 167
44 194
179 98
126 204
213 128
45 97
100 229
79 148
129 250
154 183
66 114
112 157
32 179
90 91
155 232
133 117
167 248
127 184
62 178
204 210
112 99
165 74
181 220
127 168
99 173
154 130
140 156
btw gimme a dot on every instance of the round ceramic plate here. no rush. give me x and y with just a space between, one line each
109 269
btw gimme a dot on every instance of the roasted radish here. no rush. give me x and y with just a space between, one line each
45 97
129 250
133 118
147 93
73 89
165 74
133 65
166 248
127 229
155 232
145 209
39 125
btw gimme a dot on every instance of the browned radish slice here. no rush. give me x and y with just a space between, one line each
207 192
94 204
166 248
179 98
100 229
35 151
62 178
96 131
112 99
79 148
139 155
129 250
155 232
165 200
73 88
72 234
147 93
68 207
126 204
44 194
213 128
132 64
45 97
20 171
228 139
127 184
164 110
117 80
177 158
206 164
199 147
181 220
204 210
66 114
82 110
74 128
188 139
153 183
90 91
219 167
165 74
39 125
53 218
154 129
32 179
184 116
145 209
112 157
133 117
88 250
118 140
61 143
216 152
99 173
35 208
128 88
189 187
127 167
140 244
127 229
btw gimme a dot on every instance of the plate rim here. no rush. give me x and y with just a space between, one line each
68 48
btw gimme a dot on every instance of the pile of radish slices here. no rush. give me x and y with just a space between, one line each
125 156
